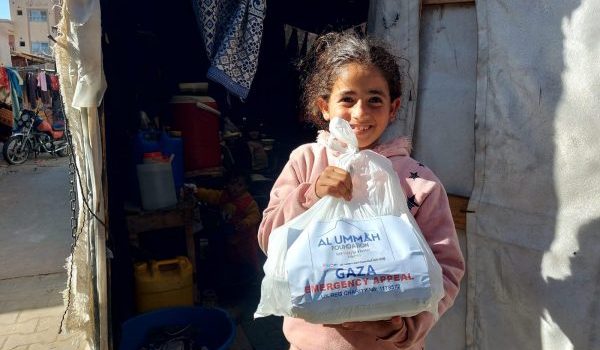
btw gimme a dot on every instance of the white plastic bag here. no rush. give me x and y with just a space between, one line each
358 260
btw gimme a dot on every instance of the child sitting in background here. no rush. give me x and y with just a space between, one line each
240 211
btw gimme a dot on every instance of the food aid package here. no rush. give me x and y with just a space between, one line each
358 260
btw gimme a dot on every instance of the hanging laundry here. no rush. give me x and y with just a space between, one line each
54 82
41 81
16 93
4 86
232 31
48 82
45 84
32 94
57 111
3 78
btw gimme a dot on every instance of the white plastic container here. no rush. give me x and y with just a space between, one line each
157 188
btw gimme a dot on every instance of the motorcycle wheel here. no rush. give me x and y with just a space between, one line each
64 152
16 150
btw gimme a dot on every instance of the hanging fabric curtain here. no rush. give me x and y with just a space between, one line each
232 32
79 63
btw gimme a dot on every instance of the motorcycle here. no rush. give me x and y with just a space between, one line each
34 134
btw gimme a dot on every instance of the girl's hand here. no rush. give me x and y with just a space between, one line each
379 329
335 182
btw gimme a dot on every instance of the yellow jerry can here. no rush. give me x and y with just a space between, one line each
163 283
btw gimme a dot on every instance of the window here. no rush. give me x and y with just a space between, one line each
38 15
39 47
19 12
21 43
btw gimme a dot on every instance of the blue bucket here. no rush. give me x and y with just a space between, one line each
170 145
212 327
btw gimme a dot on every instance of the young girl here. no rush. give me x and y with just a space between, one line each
359 81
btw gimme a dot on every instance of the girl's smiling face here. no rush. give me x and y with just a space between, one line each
361 96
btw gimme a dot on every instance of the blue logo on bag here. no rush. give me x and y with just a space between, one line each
348 239
357 271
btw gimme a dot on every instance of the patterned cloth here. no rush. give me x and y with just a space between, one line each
232 32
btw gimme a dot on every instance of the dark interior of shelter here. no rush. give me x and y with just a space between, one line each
163 118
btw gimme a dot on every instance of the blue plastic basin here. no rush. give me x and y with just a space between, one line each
213 327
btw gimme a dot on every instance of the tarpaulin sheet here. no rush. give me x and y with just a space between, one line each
534 222
438 46
444 135
534 271
396 23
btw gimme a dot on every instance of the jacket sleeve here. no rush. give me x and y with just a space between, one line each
435 221
292 194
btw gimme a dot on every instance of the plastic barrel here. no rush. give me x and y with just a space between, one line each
144 141
157 188
198 119
213 327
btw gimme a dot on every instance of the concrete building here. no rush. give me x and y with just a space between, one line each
7 39
33 21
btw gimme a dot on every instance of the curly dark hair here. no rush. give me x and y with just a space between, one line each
329 54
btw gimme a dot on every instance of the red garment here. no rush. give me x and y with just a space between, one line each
243 247
4 78
54 83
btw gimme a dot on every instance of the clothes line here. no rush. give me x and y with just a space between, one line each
40 67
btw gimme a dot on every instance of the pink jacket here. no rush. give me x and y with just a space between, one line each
294 192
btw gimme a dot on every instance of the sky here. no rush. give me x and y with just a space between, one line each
4 10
